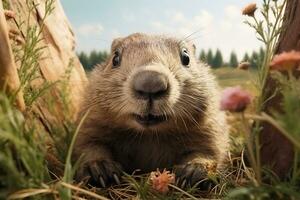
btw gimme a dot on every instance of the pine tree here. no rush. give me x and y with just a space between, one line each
218 59
246 58
261 52
93 59
209 57
254 59
102 56
202 56
84 60
233 61
89 61
261 56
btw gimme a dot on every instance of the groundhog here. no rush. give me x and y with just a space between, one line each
151 105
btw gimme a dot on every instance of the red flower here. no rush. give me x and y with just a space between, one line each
234 99
160 181
286 61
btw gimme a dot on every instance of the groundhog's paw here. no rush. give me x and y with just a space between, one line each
190 175
100 173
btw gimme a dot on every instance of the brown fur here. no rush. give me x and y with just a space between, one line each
196 131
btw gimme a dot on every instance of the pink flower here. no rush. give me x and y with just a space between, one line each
286 61
160 181
234 99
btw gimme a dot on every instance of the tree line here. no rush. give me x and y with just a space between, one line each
88 61
214 59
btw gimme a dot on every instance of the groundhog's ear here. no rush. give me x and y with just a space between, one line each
116 43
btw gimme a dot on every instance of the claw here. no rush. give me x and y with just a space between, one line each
116 178
183 184
103 173
177 181
102 182
189 175
94 170
86 179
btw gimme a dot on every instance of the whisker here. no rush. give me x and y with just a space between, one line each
195 38
193 33
186 101
183 121
187 116
190 116
157 136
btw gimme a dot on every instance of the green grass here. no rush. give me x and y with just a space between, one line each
229 77
30 169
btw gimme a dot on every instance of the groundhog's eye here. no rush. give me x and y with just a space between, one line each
185 58
116 61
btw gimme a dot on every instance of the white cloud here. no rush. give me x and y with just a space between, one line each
115 33
232 11
203 19
157 25
226 25
179 25
90 30
178 17
226 33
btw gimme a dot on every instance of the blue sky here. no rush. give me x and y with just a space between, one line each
219 22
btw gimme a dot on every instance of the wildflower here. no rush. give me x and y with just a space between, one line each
244 66
211 168
286 61
234 99
249 10
9 14
160 181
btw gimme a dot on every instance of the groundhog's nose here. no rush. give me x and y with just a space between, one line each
150 85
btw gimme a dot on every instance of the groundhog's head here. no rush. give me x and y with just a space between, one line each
151 83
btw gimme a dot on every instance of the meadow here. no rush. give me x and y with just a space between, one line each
35 156
230 76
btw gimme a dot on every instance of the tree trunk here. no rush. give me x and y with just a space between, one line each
57 62
9 79
276 151
58 54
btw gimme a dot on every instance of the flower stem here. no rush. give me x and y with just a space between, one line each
269 119
249 143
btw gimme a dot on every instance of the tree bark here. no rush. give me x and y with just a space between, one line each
9 79
58 54
51 112
276 151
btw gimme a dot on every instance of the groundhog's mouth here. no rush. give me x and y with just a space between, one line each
149 120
